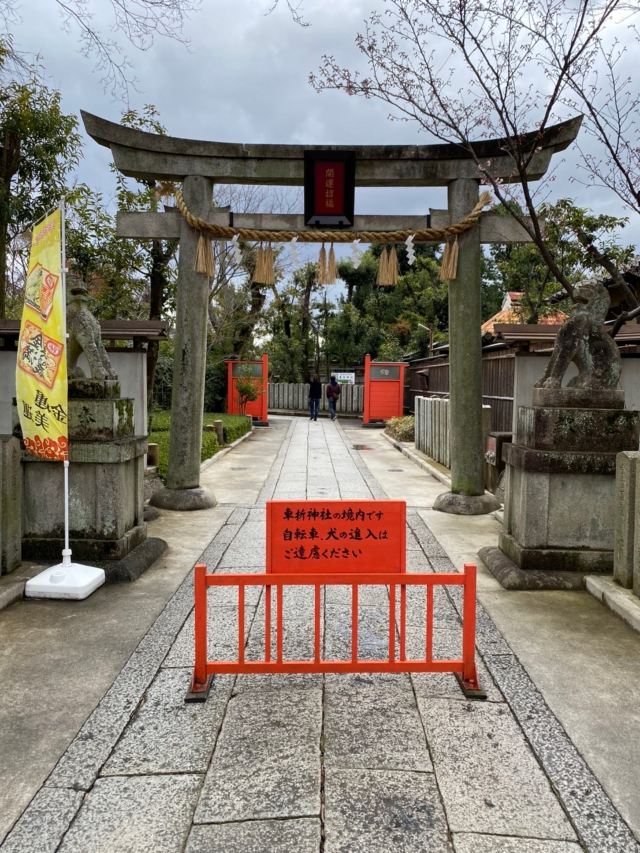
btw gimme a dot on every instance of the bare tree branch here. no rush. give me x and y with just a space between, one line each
469 69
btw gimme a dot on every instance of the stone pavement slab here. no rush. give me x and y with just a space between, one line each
266 762
168 735
488 777
136 814
222 636
258 836
50 814
378 811
472 843
593 814
373 724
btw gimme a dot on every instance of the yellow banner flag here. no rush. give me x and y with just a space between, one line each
41 367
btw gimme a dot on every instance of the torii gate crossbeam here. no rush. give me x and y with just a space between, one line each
199 165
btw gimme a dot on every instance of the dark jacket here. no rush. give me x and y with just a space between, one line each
315 390
333 390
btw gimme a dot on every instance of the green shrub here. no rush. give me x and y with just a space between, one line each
209 448
402 429
233 426
160 421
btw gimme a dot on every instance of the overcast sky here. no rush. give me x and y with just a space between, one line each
245 79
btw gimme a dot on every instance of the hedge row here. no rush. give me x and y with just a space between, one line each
209 448
233 426
402 429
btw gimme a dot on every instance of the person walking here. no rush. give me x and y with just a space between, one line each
333 392
315 395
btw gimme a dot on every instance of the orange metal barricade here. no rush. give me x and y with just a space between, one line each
396 659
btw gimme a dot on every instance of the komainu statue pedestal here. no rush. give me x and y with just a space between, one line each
560 488
106 488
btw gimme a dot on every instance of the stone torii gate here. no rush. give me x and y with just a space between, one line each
201 165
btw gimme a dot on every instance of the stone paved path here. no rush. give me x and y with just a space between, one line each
311 763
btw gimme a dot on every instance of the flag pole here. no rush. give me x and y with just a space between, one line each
66 551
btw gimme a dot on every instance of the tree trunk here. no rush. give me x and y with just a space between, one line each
9 164
305 325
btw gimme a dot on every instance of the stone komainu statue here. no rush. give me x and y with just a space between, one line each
84 335
584 340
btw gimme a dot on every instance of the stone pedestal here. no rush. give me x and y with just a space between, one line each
560 489
106 485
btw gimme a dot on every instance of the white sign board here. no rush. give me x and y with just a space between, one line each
345 378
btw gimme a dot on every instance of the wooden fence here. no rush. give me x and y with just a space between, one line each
430 377
294 397
432 427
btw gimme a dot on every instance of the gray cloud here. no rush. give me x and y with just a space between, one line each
245 78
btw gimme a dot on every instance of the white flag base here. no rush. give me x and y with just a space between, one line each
66 580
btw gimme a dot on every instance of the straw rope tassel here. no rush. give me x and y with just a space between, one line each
204 256
449 263
383 263
259 267
264 272
392 269
331 267
269 266
322 266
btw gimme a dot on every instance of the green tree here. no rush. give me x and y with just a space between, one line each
40 149
291 327
128 278
385 322
521 267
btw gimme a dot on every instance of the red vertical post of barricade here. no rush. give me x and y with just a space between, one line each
200 682
469 679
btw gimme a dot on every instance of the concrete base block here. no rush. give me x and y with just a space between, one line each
585 560
512 577
183 500
136 562
91 550
457 504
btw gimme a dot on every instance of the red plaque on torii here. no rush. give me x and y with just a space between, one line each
329 188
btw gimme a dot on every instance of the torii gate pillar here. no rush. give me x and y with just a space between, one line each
467 495
183 490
